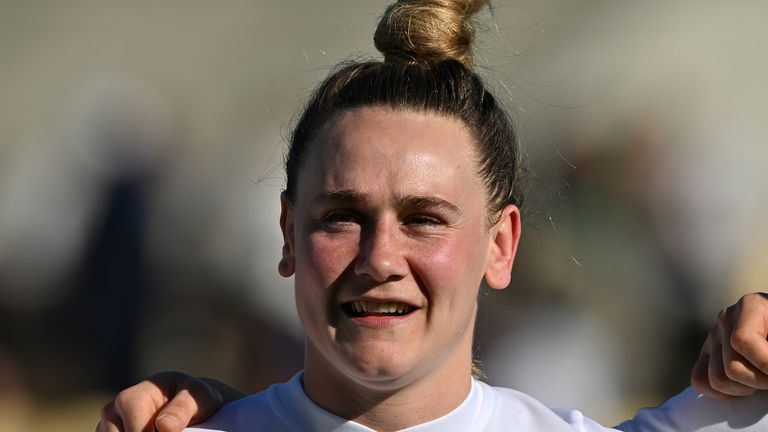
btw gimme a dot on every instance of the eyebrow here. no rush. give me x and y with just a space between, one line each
428 203
348 196
340 196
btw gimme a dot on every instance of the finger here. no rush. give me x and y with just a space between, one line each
110 421
748 336
700 378
740 370
108 426
700 373
719 380
194 401
136 406
177 414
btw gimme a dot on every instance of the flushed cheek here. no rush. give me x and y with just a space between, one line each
315 275
325 257
438 265
319 265
451 288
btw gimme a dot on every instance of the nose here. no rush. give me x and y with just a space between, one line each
381 256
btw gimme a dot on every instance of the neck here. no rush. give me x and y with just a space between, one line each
391 406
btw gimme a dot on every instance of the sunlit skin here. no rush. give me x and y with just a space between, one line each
390 208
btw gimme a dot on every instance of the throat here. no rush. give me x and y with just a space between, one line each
385 408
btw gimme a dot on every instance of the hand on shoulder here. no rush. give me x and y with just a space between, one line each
166 402
734 358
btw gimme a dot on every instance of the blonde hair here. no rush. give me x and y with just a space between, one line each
428 31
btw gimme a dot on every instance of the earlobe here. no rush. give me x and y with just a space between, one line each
287 265
504 241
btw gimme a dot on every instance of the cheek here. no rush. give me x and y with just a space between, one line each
454 263
320 262
323 257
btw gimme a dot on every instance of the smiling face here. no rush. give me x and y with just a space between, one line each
388 241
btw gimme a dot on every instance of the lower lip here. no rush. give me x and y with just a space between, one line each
378 321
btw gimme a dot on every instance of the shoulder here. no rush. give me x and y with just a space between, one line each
691 410
257 412
506 408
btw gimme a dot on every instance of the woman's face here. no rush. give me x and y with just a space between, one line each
388 241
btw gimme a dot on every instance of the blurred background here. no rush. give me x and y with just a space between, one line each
140 167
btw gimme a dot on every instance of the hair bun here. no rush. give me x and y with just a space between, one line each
427 31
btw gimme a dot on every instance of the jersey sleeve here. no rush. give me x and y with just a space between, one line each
691 411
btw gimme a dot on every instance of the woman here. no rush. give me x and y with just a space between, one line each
404 183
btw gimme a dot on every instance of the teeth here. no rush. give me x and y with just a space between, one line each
363 306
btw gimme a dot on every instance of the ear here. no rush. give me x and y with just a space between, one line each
505 236
287 265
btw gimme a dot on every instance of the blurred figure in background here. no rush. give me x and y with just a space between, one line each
73 231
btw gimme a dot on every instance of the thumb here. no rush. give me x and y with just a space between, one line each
194 402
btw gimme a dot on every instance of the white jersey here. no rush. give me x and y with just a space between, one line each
286 408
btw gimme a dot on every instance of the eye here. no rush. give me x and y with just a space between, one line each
423 220
340 219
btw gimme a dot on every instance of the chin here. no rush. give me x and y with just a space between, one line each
385 371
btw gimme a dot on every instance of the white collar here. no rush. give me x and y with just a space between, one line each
302 414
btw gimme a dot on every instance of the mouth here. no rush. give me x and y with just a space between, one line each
362 309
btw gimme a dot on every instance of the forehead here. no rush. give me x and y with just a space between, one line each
380 150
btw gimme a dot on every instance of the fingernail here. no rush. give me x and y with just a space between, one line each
168 420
